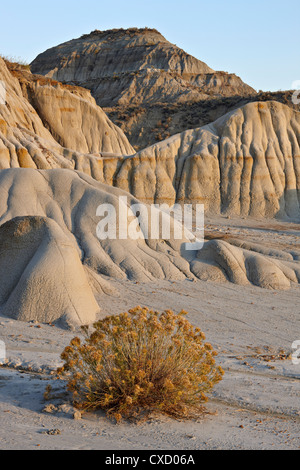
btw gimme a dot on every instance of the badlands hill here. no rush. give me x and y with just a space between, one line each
54 268
146 125
140 69
118 66
45 124
245 163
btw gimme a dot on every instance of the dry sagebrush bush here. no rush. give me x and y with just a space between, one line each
141 361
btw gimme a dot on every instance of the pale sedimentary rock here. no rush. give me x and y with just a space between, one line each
245 163
135 66
54 266
42 277
140 79
44 125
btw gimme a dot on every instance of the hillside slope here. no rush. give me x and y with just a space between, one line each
45 124
245 163
54 267
140 69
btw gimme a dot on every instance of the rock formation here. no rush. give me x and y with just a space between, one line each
120 55
51 261
245 163
42 277
139 78
54 267
71 199
47 125
220 260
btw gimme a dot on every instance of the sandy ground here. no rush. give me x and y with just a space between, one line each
256 406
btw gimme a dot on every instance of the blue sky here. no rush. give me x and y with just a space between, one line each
257 40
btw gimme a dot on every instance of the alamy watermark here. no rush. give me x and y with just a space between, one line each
296 353
2 93
156 222
296 94
2 352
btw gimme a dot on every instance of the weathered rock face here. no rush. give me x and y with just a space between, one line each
245 163
219 261
148 124
71 199
72 116
110 53
42 277
47 125
137 68
52 263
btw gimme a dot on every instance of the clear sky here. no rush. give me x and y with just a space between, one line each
256 39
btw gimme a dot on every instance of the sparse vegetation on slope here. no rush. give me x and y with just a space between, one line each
16 63
120 32
145 125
